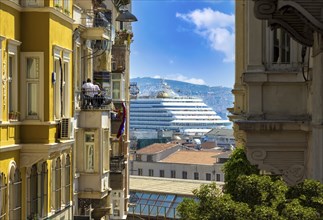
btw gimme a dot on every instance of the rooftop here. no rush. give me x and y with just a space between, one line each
165 185
193 157
156 148
220 132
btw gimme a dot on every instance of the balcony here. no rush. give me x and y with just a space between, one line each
119 53
93 185
117 164
98 27
86 100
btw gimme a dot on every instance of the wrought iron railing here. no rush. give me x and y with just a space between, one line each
90 99
117 163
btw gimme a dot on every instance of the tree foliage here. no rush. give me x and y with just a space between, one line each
236 166
248 195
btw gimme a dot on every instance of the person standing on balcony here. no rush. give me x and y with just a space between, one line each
88 91
96 94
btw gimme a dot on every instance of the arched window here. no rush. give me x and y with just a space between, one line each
3 187
37 191
43 189
67 180
33 198
56 185
14 194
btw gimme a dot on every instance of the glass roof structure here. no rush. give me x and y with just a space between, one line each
155 205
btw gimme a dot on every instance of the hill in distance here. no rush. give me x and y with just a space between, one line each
217 97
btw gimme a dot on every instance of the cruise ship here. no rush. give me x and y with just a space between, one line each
169 111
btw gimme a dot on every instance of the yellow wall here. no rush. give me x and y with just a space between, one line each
9 22
6 158
61 35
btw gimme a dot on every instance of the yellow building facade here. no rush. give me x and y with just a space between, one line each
36 94
60 159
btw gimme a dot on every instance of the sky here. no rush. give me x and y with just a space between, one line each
185 40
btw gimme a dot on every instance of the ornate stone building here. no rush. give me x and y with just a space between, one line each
278 108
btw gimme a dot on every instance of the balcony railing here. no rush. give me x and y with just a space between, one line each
117 163
90 99
98 27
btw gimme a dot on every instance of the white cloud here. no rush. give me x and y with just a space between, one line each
216 27
179 77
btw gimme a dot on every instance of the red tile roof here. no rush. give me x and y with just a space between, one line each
192 157
156 148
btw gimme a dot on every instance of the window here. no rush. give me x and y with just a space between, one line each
106 150
43 189
32 88
196 175
13 76
117 86
33 197
37 191
139 172
57 73
67 180
57 3
149 158
281 46
3 188
208 176
14 194
1 90
161 173
184 175
151 172
56 185
61 84
89 152
218 177
138 157
173 174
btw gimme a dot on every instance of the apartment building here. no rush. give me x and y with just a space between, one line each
59 159
277 111
172 160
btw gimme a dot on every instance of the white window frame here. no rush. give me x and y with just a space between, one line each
62 56
23 92
279 66
66 84
32 3
13 53
118 78
56 92
2 66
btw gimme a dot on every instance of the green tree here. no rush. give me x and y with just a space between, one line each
257 190
295 211
212 204
309 193
237 165
248 195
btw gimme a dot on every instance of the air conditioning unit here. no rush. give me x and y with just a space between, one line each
67 128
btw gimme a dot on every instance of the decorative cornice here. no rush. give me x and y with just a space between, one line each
300 18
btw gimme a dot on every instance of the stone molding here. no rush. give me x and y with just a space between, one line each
298 17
